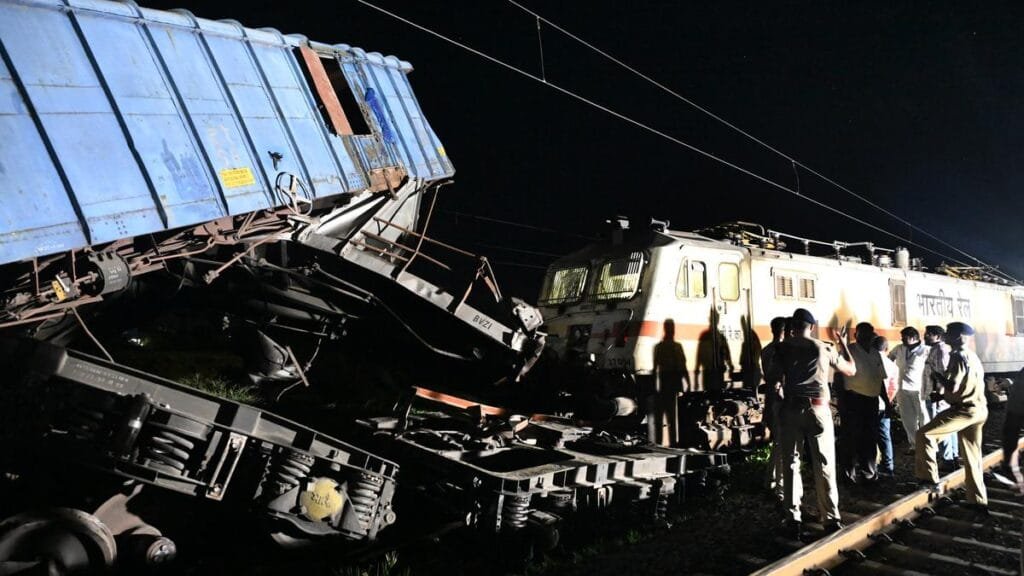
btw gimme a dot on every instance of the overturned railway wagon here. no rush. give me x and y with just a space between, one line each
122 121
140 147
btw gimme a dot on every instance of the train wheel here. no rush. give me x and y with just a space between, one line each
57 542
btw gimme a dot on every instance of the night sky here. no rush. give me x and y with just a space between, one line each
920 109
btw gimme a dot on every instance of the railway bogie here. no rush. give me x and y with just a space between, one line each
505 474
154 432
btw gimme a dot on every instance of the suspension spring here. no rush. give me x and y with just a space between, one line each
661 506
560 501
287 470
363 494
514 511
87 417
84 423
167 448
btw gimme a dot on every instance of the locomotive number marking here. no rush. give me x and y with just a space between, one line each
626 363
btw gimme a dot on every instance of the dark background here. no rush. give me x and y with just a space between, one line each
917 108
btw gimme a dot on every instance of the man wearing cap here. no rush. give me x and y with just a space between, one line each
964 389
803 364
935 369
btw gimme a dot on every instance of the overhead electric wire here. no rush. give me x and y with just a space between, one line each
518 250
458 215
657 132
753 138
519 265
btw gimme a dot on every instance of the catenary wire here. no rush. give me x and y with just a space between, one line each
517 250
794 161
458 215
519 265
657 132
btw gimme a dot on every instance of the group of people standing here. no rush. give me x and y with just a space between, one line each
936 383
908 379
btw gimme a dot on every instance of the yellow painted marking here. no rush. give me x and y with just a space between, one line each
237 177
441 152
323 500
58 289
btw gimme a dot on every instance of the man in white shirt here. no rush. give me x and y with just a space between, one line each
911 357
858 409
935 369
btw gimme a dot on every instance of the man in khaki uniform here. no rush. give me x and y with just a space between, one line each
803 364
964 390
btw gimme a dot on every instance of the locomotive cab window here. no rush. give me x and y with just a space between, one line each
563 286
619 279
693 280
729 281
1018 315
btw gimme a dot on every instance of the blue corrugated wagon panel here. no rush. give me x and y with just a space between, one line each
212 116
36 214
305 126
77 116
118 121
153 121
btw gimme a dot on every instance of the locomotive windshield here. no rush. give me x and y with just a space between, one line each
563 285
619 279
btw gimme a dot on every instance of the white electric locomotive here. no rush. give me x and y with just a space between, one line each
609 302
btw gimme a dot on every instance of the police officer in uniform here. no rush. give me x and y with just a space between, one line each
964 390
804 364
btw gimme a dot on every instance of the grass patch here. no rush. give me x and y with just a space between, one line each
386 565
222 388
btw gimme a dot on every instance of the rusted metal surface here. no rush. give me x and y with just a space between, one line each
326 96
458 402
387 178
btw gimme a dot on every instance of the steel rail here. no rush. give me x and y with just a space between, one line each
833 550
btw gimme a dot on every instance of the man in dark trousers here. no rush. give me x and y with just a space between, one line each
803 364
859 409
670 371
1009 470
773 404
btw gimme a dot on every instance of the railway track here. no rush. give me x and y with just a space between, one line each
922 533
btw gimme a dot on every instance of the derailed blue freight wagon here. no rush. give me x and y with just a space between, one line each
282 181
134 141
119 122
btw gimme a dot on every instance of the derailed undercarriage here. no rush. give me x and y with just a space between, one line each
293 219
301 484
480 468
510 476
